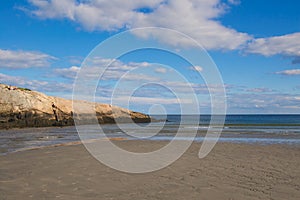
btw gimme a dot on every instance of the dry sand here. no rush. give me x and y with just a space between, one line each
230 171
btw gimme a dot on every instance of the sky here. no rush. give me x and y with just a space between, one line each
254 46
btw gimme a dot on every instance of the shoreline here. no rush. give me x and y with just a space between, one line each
230 141
14 140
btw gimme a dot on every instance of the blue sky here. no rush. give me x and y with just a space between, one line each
255 45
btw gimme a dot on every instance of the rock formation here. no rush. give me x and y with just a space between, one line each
21 107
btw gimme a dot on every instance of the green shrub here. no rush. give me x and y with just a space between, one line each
24 89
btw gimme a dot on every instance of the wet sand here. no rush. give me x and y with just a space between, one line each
230 171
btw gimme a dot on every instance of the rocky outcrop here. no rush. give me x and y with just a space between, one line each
20 107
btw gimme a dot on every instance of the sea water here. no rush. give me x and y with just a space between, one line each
261 129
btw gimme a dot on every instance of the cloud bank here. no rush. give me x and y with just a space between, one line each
24 59
287 45
197 18
290 72
39 85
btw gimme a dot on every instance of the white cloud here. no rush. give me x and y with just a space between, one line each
289 72
197 18
42 86
196 68
234 2
161 70
93 14
20 81
286 44
115 70
67 72
23 59
145 100
263 103
259 90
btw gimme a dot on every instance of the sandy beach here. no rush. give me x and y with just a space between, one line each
230 171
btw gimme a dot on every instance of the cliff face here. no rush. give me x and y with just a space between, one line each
21 107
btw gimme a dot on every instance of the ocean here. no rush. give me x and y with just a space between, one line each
253 119
262 129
